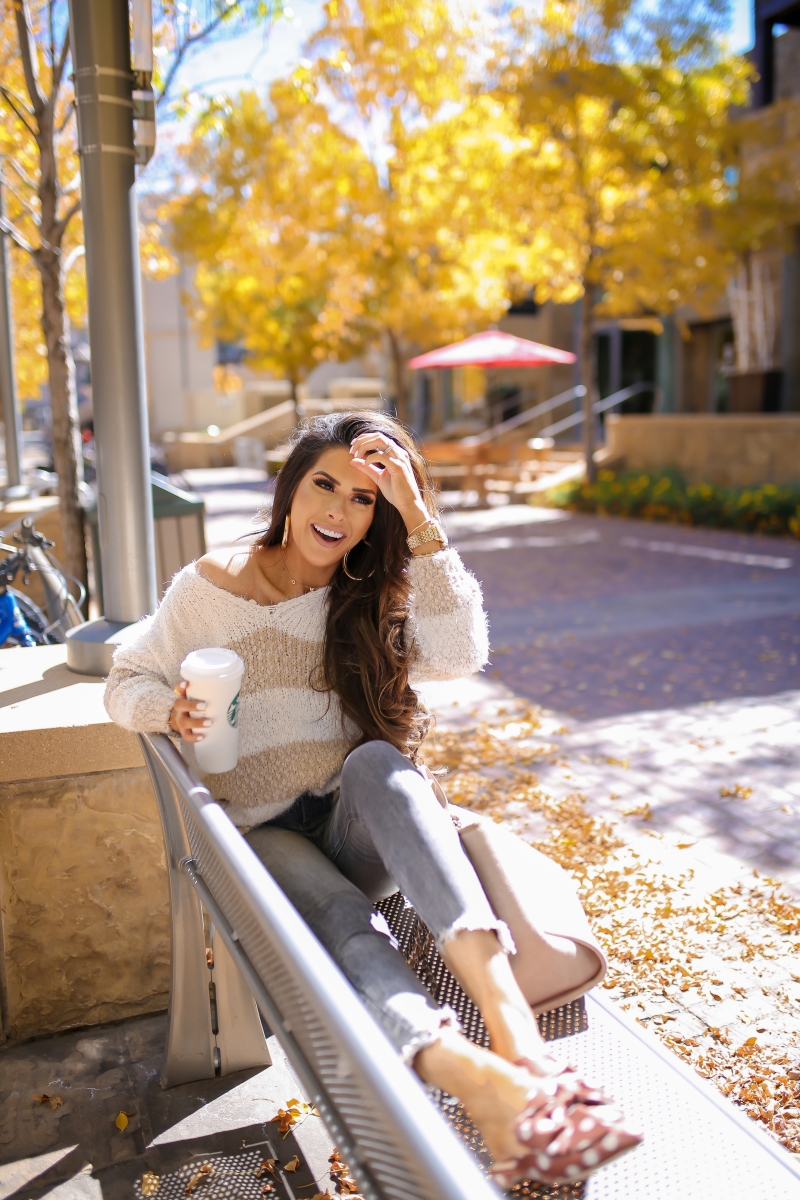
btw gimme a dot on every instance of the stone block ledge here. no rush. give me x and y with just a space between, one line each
84 902
52 721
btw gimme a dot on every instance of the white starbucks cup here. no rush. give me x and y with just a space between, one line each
215 676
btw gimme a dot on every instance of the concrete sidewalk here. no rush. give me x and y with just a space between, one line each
60 1105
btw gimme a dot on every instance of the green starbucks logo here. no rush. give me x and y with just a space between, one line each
233 711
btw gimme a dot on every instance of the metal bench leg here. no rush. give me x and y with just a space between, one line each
240 1039
190 1041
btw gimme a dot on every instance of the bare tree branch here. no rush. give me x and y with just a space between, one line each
67 118
32 212
30 63
192 40
21 172
72 258
11 101
58 68
16 236
61 226
19 100
52 40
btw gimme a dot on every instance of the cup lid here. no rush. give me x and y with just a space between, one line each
212 662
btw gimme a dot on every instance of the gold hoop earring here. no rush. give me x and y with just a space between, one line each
285 539
355 578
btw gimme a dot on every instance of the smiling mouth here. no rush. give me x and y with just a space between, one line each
331 536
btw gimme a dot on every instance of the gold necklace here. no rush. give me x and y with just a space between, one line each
286 569
294 582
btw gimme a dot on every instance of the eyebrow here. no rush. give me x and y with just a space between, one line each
365 491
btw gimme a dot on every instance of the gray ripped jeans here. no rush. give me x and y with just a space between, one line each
335 857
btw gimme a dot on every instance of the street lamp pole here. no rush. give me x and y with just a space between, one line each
100 36
8 388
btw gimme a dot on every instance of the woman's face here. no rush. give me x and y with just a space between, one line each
332 509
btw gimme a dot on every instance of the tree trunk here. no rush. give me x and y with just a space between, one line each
67 457
587 379
400 384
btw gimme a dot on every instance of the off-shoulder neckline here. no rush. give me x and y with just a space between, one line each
295 600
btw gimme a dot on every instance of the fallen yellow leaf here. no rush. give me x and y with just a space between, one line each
150 1183
292 1164
202 1174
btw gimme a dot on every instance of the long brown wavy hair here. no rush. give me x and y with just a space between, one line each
366 657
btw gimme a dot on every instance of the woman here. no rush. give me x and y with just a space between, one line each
350 594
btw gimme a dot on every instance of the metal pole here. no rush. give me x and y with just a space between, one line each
8 387
103 85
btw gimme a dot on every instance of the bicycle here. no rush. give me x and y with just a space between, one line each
23 623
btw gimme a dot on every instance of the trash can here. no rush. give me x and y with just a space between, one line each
179 526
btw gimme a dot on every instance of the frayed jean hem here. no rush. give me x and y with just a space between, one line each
467 925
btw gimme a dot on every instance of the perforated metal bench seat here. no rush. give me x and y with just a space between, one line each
697 1147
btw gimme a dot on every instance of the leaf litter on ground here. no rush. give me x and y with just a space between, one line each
666 935
296 1111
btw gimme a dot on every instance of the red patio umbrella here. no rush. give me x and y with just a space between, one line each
492 349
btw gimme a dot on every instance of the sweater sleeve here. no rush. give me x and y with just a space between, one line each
447 623
139 693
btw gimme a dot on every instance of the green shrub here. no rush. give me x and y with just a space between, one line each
665 496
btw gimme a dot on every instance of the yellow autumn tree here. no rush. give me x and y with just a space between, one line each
269 227
314 236
41 186
441 254
633 166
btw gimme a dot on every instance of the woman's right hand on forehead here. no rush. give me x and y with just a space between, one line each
188 716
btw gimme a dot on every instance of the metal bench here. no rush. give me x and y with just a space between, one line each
395 1142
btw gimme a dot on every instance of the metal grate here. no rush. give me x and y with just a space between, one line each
417 945
233 1177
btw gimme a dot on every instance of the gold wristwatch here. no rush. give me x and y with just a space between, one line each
429 531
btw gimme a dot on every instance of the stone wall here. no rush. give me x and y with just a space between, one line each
723 448
83 888
84 902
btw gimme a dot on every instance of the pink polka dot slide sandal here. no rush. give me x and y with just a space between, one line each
571 1129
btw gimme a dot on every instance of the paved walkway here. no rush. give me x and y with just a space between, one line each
69 1146
674 651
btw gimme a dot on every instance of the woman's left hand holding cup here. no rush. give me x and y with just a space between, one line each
187 717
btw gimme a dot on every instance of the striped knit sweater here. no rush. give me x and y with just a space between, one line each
292 739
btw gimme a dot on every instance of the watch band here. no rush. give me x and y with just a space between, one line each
431 531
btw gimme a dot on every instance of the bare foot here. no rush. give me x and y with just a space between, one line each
478 960
494 1092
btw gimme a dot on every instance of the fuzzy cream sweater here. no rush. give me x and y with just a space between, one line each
292 739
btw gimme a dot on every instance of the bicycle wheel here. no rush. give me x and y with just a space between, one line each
35 619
